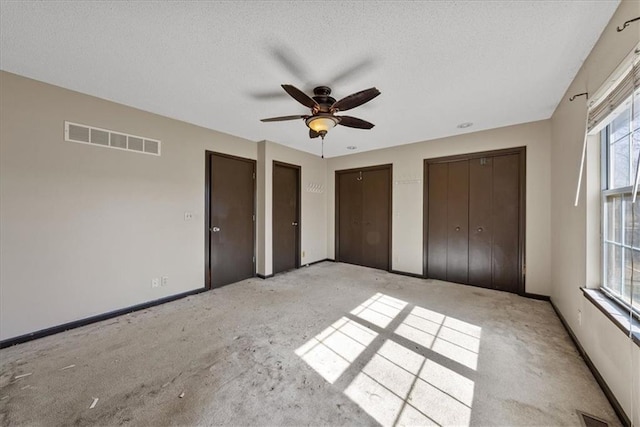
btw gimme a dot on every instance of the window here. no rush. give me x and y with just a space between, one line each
620 217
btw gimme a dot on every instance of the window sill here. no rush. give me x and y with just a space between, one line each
614 312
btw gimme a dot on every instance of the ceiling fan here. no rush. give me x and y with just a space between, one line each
323 108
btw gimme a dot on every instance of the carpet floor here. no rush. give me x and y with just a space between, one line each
330 344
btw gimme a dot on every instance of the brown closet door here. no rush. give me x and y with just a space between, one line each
506 216
285 217
375 218
474 228
231 210
458 222
437 221
363 219
349 217
480 221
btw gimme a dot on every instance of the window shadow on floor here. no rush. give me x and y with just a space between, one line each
401 363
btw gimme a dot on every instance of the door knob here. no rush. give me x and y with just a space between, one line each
457 228
479 229
294 223
215 229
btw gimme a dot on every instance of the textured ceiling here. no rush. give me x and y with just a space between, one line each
220 64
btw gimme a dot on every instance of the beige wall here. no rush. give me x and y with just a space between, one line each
408 167
84 229
313 223
575 230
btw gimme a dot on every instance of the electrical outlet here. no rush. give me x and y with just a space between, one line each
155 282
579 317
302 254
165 281
188 216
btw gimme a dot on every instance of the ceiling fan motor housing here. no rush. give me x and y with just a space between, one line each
322 90
323 99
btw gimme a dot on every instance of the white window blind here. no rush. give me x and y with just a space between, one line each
616 96
609 101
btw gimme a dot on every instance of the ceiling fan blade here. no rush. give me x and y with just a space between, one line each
313 133
300 96
289 61
354 122
355 100
267 94
351 71
283 118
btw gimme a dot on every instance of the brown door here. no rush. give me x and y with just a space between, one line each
448 221
376 203
474 225
286 217
363 219
349 221
481 222
458 226
231 219
437 220
506 215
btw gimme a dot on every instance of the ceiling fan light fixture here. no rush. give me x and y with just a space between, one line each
321 124
323 107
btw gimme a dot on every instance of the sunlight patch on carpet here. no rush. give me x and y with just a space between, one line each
398 385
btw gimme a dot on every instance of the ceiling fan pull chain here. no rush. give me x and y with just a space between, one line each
322 136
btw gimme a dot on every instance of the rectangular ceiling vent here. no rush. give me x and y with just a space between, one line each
75 132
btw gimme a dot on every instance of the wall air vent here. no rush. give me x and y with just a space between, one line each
588 420
74 132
